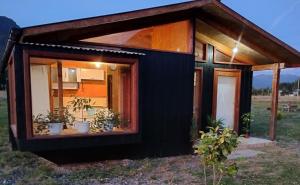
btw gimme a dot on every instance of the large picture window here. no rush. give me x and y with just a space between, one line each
70 97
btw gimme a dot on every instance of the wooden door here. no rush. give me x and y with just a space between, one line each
226 97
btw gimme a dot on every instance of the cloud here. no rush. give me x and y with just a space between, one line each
284 14
294 71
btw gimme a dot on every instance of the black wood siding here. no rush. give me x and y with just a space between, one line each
208 78
167 101
165 111
165 114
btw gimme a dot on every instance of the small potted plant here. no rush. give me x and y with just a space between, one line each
52 123
247 120
55 123
111 120
40 127
105 120
67 118
81 104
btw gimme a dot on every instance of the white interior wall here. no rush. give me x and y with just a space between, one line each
40 89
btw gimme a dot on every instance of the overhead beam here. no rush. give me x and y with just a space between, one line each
223 48
234 34
274 108
268 67
60 88
253 36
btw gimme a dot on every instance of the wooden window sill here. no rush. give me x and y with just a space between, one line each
70 133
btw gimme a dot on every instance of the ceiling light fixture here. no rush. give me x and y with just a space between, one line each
98 64
113 66
235 50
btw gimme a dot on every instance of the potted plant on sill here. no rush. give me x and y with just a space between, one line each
105 120
55 123
52 123
40 127
81 104
246 121
67 118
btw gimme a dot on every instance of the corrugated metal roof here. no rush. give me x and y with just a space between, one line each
102 50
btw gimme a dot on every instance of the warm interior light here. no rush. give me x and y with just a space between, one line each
113 66
235 50
98 64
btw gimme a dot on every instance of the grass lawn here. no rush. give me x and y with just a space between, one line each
288 128
278 165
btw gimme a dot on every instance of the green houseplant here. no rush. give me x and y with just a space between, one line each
213 149
40 127
247 119
67 118
105 120
213 123
50 123
81 105
53 122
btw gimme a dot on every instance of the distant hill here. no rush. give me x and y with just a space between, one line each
265 80
6 24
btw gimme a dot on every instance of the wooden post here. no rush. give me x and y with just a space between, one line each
274 108
60 87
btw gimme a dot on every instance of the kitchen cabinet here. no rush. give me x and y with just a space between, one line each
66 85
91 74
70 74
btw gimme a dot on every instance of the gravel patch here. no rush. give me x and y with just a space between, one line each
247 153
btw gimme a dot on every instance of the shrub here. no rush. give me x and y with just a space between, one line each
279 115
213 149
213 123
247 119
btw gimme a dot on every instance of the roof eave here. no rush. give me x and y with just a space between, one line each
256 28
13 37
67 26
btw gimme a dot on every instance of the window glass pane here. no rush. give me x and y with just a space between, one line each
76 97
223 58
72 74
200 51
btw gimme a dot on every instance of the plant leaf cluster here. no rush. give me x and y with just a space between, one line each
213 148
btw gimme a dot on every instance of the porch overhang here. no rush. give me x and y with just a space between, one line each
233 25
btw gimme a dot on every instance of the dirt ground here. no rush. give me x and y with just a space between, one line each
278 165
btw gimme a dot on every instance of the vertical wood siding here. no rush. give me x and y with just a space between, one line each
165 111
167 101
208 77
165 114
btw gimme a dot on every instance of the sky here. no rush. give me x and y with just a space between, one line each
279 17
